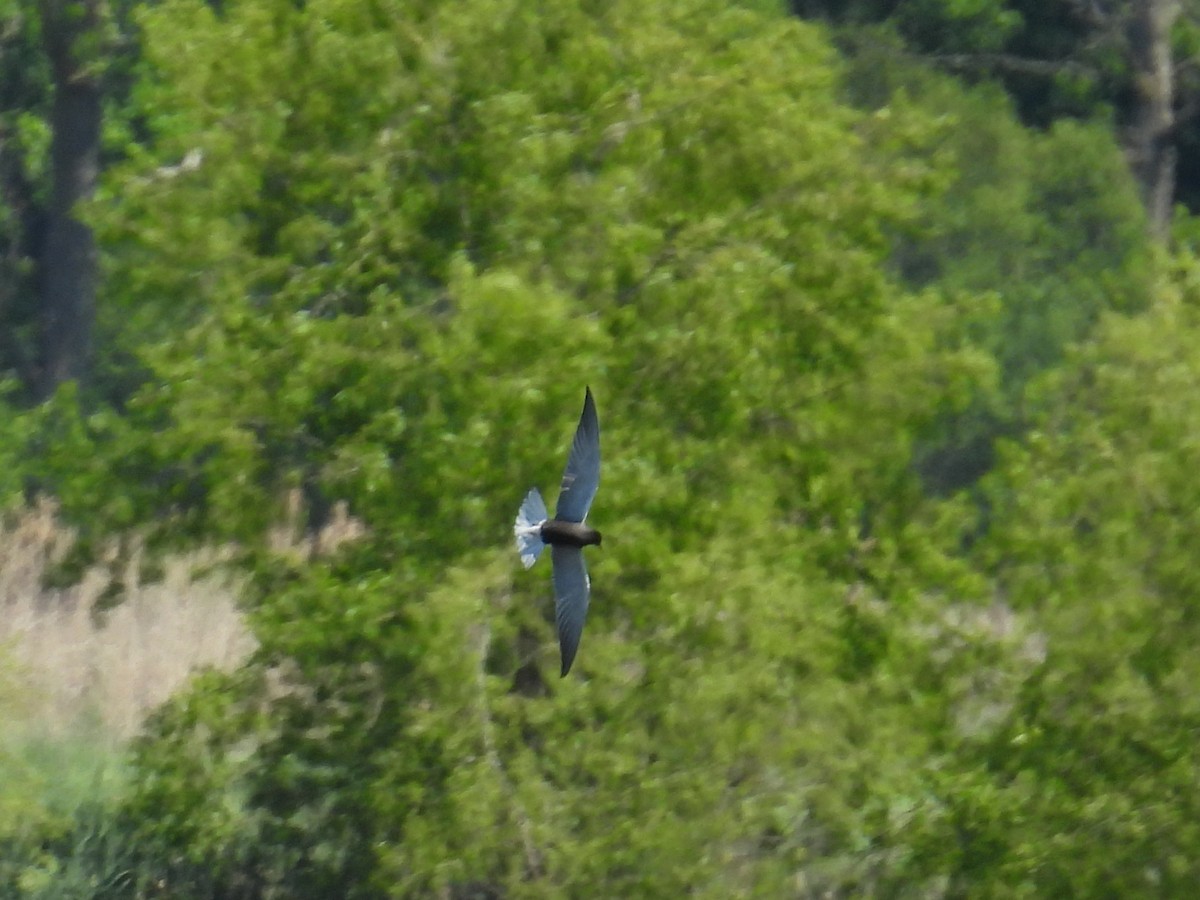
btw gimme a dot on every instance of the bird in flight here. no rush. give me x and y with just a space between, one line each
567 533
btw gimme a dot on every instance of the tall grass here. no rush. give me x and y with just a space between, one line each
76 682
79 674
70 668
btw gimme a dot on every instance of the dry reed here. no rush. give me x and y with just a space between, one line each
68 668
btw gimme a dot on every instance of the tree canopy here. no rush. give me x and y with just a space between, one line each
896 392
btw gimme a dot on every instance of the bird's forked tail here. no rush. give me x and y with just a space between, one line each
528 527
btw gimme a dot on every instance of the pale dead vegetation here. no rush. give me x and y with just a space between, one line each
68 669
66 666
290 537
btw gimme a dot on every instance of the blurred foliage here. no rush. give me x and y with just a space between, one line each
1036 236
1056 59
896 411
1094 522
61 831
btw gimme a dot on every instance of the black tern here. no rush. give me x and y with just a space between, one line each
567 533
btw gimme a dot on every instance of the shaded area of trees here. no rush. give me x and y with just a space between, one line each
1068 58
67 264
65 65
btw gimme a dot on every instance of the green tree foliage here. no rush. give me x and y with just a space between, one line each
1066 771
1057 59
483 239
1127 60
448 220
375 251
1093 536
1035 237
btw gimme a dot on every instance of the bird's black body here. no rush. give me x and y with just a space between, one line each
570 534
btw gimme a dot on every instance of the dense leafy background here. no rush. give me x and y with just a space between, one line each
899 425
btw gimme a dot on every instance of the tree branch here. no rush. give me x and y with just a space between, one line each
1007 62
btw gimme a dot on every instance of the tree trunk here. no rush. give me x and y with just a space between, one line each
1149 137
67 268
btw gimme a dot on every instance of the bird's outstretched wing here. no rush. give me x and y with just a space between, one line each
571 586
582 475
